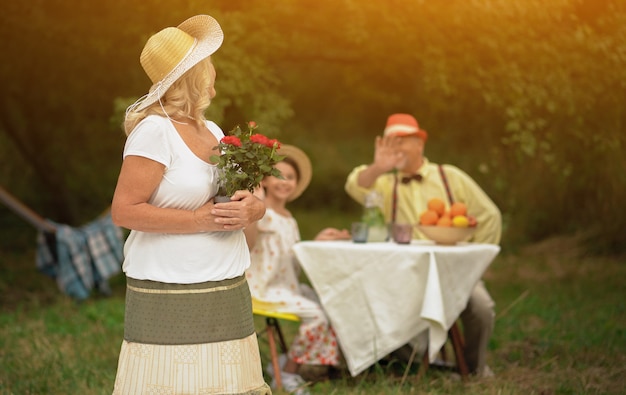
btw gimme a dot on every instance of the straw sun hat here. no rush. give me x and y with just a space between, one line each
304 167
404 125
171 52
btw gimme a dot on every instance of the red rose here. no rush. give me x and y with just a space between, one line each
259 139
232 140
273 142
252 124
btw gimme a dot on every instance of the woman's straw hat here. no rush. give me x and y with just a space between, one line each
305 170
171 52
404 125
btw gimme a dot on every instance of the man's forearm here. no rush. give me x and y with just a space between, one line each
368 176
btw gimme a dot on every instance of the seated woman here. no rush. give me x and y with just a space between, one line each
273 273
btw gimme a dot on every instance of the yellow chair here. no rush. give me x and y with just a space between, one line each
272 328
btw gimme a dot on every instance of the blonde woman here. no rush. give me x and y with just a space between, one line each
188 326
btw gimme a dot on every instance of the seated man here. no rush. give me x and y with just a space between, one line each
406 180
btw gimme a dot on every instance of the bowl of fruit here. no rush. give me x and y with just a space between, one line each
446 226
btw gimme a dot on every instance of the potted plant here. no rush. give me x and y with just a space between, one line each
247 157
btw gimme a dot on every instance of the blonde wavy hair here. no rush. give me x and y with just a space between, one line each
187 97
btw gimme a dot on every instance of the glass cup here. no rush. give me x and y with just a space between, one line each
359 232
402 233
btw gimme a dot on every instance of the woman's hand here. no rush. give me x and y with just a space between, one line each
243 209
259 192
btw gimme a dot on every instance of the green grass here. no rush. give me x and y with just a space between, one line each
63 348
560 329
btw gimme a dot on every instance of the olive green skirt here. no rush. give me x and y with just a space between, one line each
162 313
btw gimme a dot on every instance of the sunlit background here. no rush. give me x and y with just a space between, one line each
527 96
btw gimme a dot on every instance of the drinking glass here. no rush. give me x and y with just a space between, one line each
402 233
359 232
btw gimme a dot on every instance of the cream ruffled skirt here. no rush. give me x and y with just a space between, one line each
230 367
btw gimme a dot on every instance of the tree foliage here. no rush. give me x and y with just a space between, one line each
525 95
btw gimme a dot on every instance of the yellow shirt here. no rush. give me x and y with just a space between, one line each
413 198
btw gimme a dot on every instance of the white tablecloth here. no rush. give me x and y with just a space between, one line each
380 296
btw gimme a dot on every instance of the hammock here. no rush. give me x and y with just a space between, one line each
80 259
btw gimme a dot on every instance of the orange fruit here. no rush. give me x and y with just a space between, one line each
458 208
429 217
444 220
437 205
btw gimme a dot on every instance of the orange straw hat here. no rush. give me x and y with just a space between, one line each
303 162
171 52
404 125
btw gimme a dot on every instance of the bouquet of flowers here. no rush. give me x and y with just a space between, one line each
247 158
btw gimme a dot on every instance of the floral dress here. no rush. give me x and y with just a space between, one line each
273 279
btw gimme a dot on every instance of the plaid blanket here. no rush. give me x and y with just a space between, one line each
81 259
